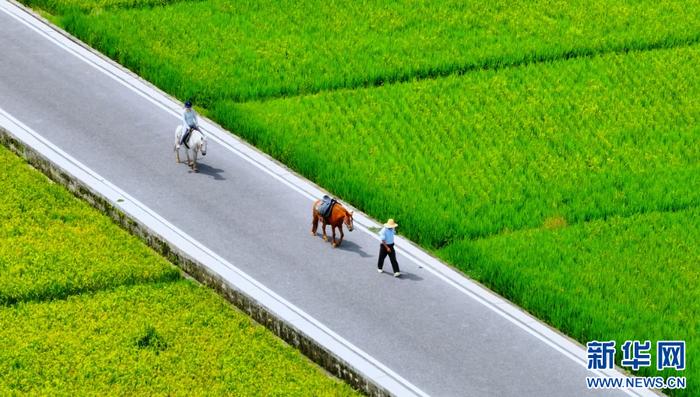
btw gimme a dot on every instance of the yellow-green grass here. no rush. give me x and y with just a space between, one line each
633 278
475 155
172 338
53 245
87 309
543 145
216 49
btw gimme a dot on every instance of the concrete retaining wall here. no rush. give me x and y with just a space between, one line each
309 347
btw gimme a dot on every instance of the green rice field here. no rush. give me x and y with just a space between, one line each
570 187
215 49
550 150
623 278
87 309
491 151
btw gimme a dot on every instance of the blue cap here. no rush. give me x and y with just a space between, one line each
188 104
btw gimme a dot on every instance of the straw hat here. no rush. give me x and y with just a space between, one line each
390 224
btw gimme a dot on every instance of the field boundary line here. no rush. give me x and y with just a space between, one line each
283 174
606 218
491 64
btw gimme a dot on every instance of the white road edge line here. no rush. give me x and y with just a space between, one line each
125 202
241 148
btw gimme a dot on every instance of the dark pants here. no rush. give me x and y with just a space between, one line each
392 257
186 135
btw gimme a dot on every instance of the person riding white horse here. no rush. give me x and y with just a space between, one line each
189 123
191 136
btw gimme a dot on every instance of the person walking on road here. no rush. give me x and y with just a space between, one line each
387 247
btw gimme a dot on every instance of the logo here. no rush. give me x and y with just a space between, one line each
670 354
636 354
601 355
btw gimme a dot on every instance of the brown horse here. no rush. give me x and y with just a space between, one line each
338 216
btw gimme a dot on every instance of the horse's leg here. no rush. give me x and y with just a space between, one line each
341 234
194 161
323 225
177 155
333 230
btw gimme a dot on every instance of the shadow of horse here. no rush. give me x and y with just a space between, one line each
211 171
352 247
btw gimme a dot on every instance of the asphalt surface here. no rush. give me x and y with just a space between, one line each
431 334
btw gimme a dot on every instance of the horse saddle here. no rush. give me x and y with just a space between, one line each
325 207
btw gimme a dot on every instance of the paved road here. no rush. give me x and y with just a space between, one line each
440 339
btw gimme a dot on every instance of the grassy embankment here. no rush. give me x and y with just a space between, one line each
87 308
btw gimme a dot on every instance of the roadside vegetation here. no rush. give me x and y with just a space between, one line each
475 155
550 150
624 278
219 49
571 187
174 338
86 308
53 246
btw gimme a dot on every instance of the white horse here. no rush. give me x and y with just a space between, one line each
197 143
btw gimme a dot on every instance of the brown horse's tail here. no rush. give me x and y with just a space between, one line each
314 216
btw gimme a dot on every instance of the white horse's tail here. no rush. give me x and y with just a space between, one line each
178 135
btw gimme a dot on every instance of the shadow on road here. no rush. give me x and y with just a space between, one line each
211 171
352 247
410 276
404 275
